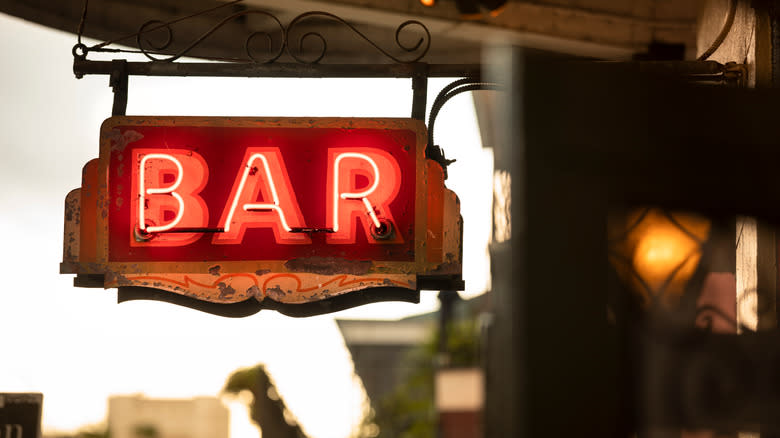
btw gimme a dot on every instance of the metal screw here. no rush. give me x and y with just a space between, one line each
385 231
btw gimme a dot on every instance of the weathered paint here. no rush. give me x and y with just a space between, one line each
71 240
437 230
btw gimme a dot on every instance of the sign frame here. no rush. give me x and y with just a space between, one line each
437 232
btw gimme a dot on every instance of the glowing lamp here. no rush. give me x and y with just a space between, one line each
473 9
657 252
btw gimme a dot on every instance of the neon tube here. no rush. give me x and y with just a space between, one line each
371 213
361 195
263 206
159 191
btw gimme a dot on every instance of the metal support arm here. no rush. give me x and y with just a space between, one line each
118 82
119 70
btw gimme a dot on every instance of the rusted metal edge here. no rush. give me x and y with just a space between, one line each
706 72
83 67
251 306
274 122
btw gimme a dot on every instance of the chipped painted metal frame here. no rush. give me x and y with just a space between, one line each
437 234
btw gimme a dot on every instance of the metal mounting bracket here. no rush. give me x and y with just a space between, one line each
118 82
420 91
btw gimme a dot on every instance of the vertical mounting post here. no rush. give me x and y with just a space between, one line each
118 82
774 28
419 91
447 299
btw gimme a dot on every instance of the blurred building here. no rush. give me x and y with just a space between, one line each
140 417
460 401
378 349
382 352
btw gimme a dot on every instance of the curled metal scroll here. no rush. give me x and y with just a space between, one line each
422 45
152 49
158 51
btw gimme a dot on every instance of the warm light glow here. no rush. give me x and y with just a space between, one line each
428 3
360 195
159 191
498 11
663 251
260 206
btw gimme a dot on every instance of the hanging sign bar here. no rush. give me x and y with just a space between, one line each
289 209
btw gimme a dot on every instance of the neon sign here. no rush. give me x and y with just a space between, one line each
295 210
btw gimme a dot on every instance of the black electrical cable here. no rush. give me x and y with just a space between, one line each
437 103
80 30
724 31
457 87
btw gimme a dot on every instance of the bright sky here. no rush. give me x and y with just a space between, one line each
77 346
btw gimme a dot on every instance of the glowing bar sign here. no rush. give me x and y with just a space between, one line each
292 210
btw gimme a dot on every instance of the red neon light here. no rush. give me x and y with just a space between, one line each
350 203
165 188
264 175
195 193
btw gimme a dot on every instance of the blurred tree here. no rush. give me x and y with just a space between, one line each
267 409
146 431
93 434
91 431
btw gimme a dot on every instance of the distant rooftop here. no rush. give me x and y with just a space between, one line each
379 347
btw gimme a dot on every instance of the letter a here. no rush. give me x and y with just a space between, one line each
263 174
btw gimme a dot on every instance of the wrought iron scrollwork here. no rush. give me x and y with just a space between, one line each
421 46
157 47
158 51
